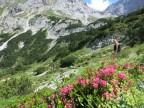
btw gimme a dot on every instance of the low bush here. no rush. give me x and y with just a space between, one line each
67 61
110 85
16 87
40 70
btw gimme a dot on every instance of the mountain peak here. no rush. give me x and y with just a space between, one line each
123 7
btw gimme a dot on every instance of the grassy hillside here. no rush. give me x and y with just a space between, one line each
127 70
77 77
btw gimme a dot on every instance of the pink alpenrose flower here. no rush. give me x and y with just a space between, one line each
121 76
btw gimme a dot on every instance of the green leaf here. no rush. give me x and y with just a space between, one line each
95 91
80 99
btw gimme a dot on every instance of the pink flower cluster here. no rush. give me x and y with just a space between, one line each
107 95
67 89
121 76
107 70
131 83
68 105
49 106
103 83
126 65
83 81
99 76
95 82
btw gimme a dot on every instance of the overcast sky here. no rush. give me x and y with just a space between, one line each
100 4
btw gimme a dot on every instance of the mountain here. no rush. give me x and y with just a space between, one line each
123 7
45 43
29 63
20 13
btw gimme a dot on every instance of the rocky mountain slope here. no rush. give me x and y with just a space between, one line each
123 7
19 13
46 42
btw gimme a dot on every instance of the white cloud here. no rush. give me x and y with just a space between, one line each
99 4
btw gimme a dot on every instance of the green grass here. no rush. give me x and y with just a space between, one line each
94 58
1 10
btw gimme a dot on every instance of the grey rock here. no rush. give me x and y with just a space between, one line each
105 41
123 7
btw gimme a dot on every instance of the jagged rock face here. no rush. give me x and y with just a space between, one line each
18 13
56 26
123 7
76 9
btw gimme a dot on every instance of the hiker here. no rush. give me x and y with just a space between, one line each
116 48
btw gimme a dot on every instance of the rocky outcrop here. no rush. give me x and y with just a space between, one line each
76 9
105 41
19 13
55 28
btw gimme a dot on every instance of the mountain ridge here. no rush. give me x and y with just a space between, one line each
123 7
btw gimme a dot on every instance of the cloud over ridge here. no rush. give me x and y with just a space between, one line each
99 4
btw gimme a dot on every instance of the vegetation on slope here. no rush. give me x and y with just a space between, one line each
111 83
119 83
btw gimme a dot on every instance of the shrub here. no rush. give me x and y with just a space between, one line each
40 70
63 52
15 87
108 86
67 61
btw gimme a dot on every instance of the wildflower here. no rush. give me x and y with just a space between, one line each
33 99
82 82
19 105
79 78
97 75
52 102
108 70
72 100
126 65
45 99
131 83
59 102
70 87
95 85
107 95
96 80
103 83
114 90
86 81
64 100
111 71
121 76
68 105
64 90
52 96
115 65
49 106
